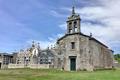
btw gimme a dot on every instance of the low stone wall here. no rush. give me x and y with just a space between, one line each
16 66
33 66
117 65
39 66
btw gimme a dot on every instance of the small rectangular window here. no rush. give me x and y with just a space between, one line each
72 45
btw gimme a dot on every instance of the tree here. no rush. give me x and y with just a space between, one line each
117 57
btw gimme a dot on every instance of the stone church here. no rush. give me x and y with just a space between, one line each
80 51
72 52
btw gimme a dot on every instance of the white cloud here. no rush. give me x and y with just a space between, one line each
57 14
45 43
63 26
60 35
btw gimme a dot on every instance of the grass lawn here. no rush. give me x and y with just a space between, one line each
39 74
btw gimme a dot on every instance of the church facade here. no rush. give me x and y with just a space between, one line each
80 51
73 52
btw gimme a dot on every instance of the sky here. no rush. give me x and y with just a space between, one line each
44 21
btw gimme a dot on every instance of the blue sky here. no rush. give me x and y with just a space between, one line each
22 21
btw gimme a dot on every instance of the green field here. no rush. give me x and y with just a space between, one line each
38 74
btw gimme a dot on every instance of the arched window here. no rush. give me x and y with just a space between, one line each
70 27
75 26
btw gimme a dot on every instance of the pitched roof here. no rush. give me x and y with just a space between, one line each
90 38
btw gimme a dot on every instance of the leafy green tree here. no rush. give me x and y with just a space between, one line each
117 57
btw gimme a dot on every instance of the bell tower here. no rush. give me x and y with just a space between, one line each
73 23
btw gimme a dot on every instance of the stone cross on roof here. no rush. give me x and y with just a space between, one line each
73 8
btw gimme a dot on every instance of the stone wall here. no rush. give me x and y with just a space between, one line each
101 56
16 66
33 66
39 66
